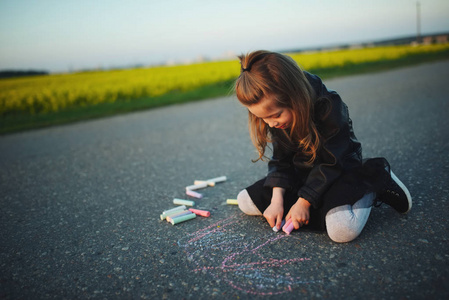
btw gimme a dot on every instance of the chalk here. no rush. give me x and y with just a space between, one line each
199 212
168 211
275 229
174 209
232 201
182 213
183 218
210 182
183 202
172 213
194 194
217 179
288 227
197 186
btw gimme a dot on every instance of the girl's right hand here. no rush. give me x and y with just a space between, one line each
275 211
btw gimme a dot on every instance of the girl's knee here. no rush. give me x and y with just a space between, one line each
345 223
342 234
246 204
341 229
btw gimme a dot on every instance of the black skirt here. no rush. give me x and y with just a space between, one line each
351 186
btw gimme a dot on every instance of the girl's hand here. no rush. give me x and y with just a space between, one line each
274 212
299 213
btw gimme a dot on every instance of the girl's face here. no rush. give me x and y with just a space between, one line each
275 116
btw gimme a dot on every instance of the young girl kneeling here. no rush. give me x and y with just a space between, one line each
316 176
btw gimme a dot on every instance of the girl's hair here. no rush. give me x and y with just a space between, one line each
278 76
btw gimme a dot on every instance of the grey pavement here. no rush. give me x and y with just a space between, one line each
80 205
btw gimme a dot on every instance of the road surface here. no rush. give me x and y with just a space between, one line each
80 205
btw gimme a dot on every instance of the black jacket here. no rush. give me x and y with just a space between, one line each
339 152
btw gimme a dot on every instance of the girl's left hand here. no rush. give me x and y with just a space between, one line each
299 213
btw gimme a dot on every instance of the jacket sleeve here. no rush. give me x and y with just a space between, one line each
280 168
339 146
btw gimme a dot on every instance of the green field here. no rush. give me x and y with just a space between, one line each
38 101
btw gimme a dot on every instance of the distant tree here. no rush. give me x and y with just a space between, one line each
15 73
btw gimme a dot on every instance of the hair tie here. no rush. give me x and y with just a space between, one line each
255 59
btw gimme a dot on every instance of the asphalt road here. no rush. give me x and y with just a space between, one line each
80 205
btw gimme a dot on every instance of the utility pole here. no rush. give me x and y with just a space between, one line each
418 22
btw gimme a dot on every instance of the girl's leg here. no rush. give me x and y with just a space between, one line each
345 223
254 199
247 205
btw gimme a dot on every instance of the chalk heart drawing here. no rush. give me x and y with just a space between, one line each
248 262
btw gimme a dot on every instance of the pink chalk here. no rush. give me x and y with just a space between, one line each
193 194
289 221
200 212
288 227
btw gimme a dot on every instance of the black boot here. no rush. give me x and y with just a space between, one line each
396 195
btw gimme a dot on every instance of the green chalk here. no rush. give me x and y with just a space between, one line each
183 202
183 218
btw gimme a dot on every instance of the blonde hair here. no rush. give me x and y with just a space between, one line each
278 76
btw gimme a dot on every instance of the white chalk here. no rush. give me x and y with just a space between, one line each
217 179
183 202
194 194
197 186
169 211
173 209
275 229
209 183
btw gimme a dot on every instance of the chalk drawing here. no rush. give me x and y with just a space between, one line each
243 259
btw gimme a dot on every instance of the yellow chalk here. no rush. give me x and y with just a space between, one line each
232 201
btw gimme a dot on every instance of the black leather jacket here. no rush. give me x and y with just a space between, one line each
339 151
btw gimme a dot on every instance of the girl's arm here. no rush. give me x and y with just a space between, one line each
280 167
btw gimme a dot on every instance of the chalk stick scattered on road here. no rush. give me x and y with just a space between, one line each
199 212
232 201
183 218
183 202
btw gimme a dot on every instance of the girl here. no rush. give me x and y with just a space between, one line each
316 176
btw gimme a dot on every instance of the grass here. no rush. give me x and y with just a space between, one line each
20 122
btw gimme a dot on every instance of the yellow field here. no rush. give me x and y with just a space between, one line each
340 58
53 93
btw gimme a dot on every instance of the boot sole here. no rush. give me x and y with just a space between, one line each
404 188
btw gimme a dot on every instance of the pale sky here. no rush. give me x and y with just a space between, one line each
62 35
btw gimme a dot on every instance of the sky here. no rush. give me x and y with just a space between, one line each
70 35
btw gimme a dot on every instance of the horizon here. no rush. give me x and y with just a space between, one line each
70 36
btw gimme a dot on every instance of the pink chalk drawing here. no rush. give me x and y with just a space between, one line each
243 258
